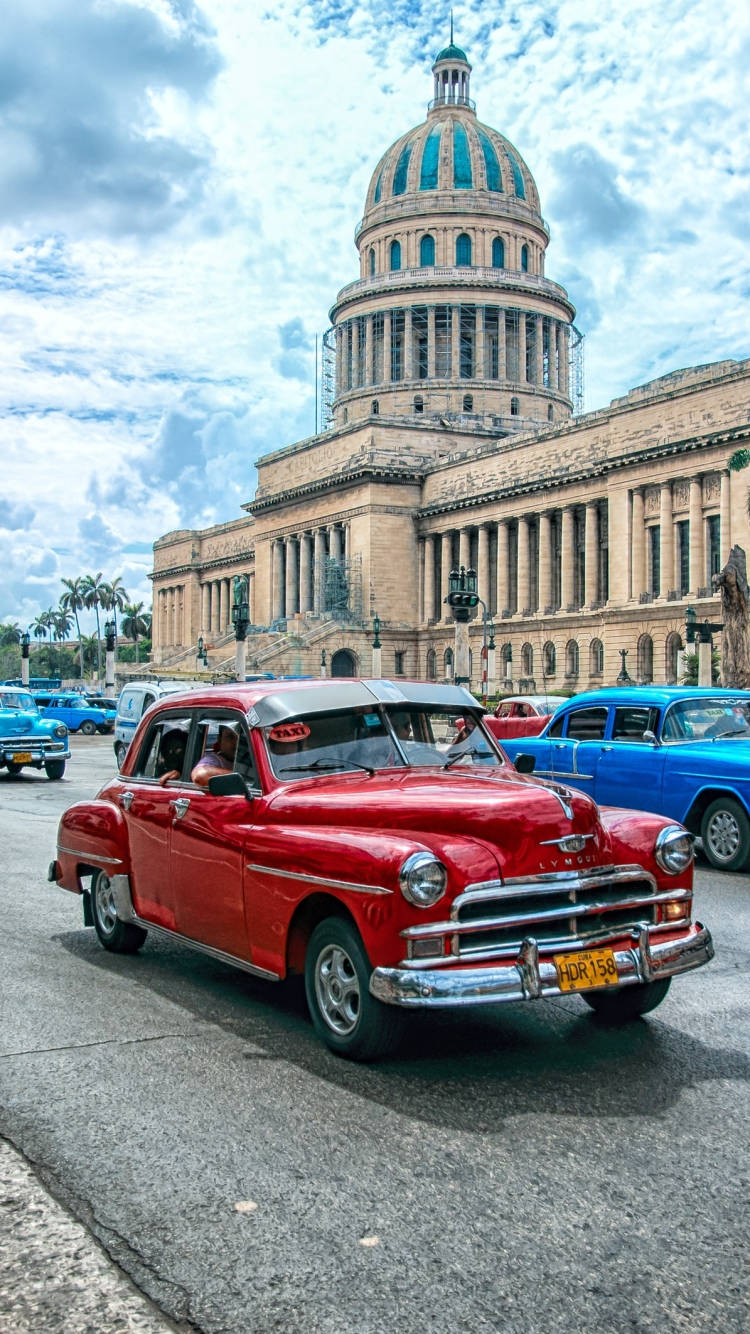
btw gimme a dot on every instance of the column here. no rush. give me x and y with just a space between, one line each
408 345
205 608
555 355
638 547
356 369
567 557
292 576
502 369
524 583
522 347
430 342
277 587
446 565
369 373
538 349
464 548
666 539
305 573
429 579
340 386
222 606
319 569
386 347
565 359
455 342
725 535
228 604
334 542
483 564
545 562
251 596
697 545
502 567
591 578
480 367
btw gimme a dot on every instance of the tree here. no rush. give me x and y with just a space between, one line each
41 625
95 591
10 634
114 596
135 624
74 600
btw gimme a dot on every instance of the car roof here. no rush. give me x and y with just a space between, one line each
649 694
268 702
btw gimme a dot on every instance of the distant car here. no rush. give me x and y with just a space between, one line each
72 708
681 751
522 715
371 836
134 699
26 739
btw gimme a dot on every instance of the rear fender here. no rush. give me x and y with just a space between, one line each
91 836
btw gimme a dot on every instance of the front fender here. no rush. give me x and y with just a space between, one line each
91 836
631 838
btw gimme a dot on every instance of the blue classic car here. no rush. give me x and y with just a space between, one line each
681 751
77 712
27 739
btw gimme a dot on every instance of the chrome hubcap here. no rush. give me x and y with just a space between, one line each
337 990
105 904
724 835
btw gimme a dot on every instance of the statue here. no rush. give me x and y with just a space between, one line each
241 586
731 582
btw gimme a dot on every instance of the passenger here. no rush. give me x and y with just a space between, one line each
171 756
218 760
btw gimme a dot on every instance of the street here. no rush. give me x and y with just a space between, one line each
514 1169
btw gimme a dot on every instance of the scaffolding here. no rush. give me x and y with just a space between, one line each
328 378
339 592
576 389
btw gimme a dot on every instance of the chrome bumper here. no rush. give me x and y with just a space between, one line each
529 978
38 752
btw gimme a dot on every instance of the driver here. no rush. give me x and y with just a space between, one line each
218 760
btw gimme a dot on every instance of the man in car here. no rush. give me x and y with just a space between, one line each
218 760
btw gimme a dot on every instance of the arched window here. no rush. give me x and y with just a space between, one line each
527 660
491 165
448 664
572 659
549 659
395 256
372 260
463 249
596 658
375 407
645 660
418 403
498 253
343 663
346 414
431 664
550 412
518 185
427 251
402 170
468 403
672 662
506 658
524 259
514 407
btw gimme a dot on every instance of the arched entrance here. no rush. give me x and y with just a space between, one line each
343 663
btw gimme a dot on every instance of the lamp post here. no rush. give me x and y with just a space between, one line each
201 656
462 598
110 634
323 668
377 667
623 677
491 678
703 631
25 642
240 621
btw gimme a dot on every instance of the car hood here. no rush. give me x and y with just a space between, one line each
713 755
520 818
17 722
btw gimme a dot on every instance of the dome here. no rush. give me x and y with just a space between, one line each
451 52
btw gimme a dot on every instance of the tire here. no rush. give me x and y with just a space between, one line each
121 751
54 769
337 976
88 728
14 769
119 937
625 1003
725 830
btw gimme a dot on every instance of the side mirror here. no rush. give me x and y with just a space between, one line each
227 785
525 764
649 736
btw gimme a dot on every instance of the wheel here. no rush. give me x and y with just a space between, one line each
625 1003
54 769
344 1014
120 937
121 751
88 727
14 769
725 830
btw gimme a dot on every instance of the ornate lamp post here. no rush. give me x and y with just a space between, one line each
110 635
240 621
377 668
491 679
462 598
201 655
623 677
323 668
25 642
703 632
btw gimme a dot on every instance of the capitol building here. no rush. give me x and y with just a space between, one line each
453 436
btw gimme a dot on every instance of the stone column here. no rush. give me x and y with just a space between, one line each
483 563
522 347
429 579
277 585
666 539
725 536
446 565
354 325
205 608
524 582
502 567
545 562
369 373
464 548
480 367
430 342
455 365
538 349
697 543
319 569
291 598
251 596
638 547
340 386
305 573
567 559
334 541
565 359
386 347
591 579
408 345
501 357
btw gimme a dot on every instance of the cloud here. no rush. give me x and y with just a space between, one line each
15 516
588 200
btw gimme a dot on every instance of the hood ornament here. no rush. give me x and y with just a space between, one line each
569 842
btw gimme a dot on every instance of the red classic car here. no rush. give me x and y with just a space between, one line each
522 715
349 831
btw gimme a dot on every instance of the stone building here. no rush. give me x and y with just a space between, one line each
452 440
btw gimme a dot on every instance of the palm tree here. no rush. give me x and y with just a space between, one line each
87 649
40 626
74 600
115 595
10 634
94 595
135 623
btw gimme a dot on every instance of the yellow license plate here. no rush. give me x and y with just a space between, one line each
21 757
588 968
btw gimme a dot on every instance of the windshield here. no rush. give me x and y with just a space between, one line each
17 699
699 719
372 739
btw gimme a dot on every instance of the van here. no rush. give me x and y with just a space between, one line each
133 701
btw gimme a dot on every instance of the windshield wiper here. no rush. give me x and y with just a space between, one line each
328 765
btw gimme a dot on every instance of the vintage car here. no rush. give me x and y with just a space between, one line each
348 830
73 708
681 751
26 739
522 715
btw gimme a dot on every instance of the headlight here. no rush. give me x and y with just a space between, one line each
674 849
422 879
61 730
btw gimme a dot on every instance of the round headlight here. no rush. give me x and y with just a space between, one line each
422 879
61 730
674 849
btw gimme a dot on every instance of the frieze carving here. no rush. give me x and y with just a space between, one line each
652 499
681 495
711 487
231 546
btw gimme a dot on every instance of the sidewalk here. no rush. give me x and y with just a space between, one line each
54 1278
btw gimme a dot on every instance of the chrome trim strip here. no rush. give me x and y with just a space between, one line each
90 856
582 908
564 944
528 978
319 880
565 881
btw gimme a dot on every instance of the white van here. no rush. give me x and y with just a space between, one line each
133 701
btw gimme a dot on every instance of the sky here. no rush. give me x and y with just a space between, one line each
179 188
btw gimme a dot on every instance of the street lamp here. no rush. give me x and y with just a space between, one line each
323 670
376 631
377 666
462 598
110 634
623 676
240 621
703 632
25 642
202 653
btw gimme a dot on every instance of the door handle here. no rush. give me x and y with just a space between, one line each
607 748
180 807
126 799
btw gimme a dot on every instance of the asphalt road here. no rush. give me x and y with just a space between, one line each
518 1169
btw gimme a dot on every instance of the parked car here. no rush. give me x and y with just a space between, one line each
73 708
132 703
522 715
347 831
26 739
683 752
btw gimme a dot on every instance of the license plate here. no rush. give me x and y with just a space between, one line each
21 757
588 968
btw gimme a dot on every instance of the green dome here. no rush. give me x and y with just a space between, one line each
451 52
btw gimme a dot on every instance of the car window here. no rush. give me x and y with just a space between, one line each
164 748
587 724
630 722
234 757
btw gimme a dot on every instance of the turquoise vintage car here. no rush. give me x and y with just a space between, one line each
26 739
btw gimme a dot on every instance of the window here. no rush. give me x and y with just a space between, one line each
654 560
550 412
491 166
395 256
524 259
514 407
427 251
596 658
549 659
673 648
462 179
683 555
714 545
463 249
448 664
517 177
372 261
527 660
645 660
418 403
223 744
498 253
468 403
375 407
164 749
431 664
572 658
430 157
402 170
587 724
631 722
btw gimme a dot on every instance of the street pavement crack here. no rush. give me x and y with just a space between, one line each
81 1046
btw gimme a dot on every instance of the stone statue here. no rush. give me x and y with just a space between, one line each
241 586
731 582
